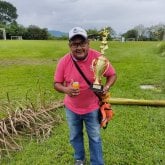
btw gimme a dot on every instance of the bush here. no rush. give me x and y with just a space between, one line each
161 48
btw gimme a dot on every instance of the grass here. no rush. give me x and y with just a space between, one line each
26 65
134 136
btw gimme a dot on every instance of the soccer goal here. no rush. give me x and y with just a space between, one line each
16 37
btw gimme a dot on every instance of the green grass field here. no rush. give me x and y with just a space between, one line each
135 135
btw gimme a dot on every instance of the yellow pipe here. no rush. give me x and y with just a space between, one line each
137 102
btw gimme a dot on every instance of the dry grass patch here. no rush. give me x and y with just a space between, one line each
25 121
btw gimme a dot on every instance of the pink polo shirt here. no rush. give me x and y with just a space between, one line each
66 72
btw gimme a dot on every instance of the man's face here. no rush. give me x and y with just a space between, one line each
79 47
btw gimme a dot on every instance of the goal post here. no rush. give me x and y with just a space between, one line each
4 33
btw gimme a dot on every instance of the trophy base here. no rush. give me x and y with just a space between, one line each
97 87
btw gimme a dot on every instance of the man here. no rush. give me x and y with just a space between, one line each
81 104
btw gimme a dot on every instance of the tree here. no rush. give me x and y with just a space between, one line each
112 33
95 34
131 34
15 29
36 33
140 31
161 34
8 13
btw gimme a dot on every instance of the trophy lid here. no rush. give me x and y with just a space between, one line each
104 42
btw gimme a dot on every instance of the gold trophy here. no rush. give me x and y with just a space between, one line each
100 64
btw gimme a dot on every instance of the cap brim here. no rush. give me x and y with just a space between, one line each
85 37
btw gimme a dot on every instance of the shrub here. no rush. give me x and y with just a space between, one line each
161 48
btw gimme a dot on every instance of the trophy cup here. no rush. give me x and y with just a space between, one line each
100 64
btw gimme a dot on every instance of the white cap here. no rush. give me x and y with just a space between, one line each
77 31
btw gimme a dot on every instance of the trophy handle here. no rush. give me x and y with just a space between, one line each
94 62
106 66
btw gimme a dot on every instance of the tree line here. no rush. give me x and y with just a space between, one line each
30 33
141 33
8 16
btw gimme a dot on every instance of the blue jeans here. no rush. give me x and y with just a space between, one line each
75 122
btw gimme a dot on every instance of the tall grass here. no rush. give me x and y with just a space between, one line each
134 136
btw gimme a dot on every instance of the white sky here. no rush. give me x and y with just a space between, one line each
62 15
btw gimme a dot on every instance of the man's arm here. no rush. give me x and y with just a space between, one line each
109 82
67 90
59 87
